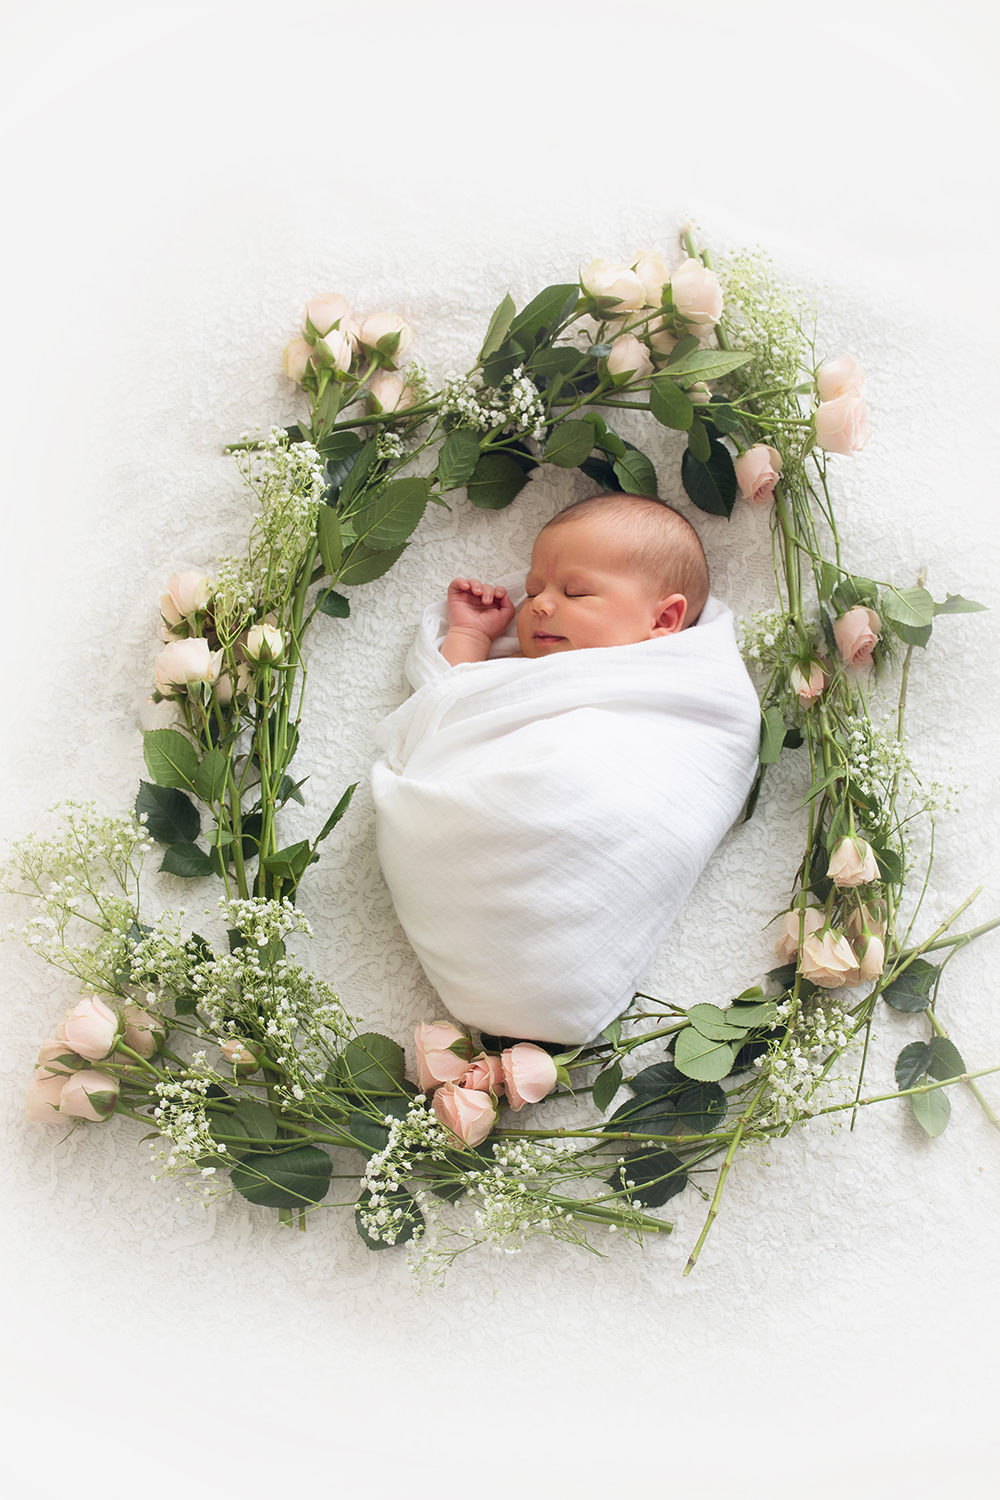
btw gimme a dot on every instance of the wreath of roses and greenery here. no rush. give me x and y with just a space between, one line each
243 1063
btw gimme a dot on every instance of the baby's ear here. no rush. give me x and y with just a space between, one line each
670 615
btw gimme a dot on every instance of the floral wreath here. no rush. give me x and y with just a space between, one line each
244 1063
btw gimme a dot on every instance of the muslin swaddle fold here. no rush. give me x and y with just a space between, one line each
540 822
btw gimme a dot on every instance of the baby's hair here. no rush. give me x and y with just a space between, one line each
664 545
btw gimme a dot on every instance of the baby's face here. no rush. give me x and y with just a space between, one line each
583 591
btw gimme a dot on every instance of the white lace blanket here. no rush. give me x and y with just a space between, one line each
540 822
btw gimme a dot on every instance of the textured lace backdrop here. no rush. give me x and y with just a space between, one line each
836 1258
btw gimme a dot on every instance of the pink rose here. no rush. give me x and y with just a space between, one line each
243 1057
792 923
340 349
443 1054
388 334
42 1101
628 359
145 1033
808 688
652 272
184 662
828 960
614 288
842 425
852 863
295 359
699 393
58 1057
325 311
485 1073
840 377
91 1029
697 293
388 392
187 594
857 633
757 472
871 957
89 1095
528 1074
870 915
662 343
468 1114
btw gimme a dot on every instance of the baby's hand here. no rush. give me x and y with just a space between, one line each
475 606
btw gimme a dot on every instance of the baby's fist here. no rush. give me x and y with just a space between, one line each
480 607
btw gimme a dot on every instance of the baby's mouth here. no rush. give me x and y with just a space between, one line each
543 638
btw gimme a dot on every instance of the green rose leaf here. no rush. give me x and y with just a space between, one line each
188 861
946 1060
669 405
752 1016
707 364
658 1080
170 757
569 444
655 1177
458 458
373 1133
495 481
338 812
912 990
358 468
852 590
552 305
372 1064
601 473
410 1221
562 361
683 347
702 1108
954 604
363 565
635 473
933 1111
499 327
715 1023
331 546
211 776
171 818
294 1179
254 1120
712 485
699 441
911 1064
772 736
606 1085
291 862
329 602
335 446
699 1057
908 606
393 515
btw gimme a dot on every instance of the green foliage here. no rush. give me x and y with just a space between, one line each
363 565
331 547
635 473
606 1085
932 1111
711 483
338 812
392 516
912 990
495 481
170 757
772 735
499 327
211 776
328 602
411 1220
372 1064
458 459
669 404
699 1057
569 444
188 861
171 817
296 1179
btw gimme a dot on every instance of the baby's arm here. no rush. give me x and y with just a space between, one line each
477 614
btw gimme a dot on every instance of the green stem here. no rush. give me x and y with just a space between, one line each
713 1211
983 1103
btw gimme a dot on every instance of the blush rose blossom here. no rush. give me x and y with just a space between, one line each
58 1057
792 923
91 1028
757 472
615 288
388 392
808 688
697 294
652 272
857 634
295 359
145 1033
326 310
629 359
244 1057
842 425
443 1054
870 953
840 377
264 643
378 330
828 960
469 1114
852 863
485 1072
528 1074
187 594
339 348
42 1101
185 663
868 914
89 1095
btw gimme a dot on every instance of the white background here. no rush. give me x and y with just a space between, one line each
178 180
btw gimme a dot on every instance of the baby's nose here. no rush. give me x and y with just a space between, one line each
542 603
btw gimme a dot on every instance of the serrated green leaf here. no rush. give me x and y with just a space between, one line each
613 1033
699 441
338 812
656 1176
170 757
601 473
331 546
913 635
561 361
188 861
912 607
702 1107
372 1064
954 604
410 1222
211 776
933 1111
495 481
911 992
606 1085
360 467
890 863
698 1057
610 442
772 736
294 1179
752 1016
829 576
708 364
254 1120
329 602
852 590
499 327
658 1080
711 486
911 1064
389 519
715 1023
836 773
683 347
291 862
946 1060
335 446
635 473
457 459
362 565
171 817
569 444
552 305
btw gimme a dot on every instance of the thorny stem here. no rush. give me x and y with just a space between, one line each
983 1103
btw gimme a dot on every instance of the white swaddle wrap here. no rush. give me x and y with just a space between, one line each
540 822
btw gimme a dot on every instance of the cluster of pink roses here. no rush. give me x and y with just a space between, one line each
831 956
332 340
628 292
468 1086
857 632
91 1032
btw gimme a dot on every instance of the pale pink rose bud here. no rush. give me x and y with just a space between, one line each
379 332
852 863
857 633
89 1095
614 287
528 1074
325 311
871 957
389 392
808 688
58 1057
869 914
828 960
652 272
757 472
92 1029
295 359
244 680
264 643
840 377
224 689
792 924
341 349
243 1056
484 1072
145 1033
185 662
699 393
842 425
662 343
187 594
697 293
468 1114
629 359
42 1101
443 1054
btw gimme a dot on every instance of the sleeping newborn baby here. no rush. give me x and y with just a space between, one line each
578 743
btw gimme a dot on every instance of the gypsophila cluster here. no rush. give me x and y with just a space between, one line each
797 1066
763 637
765 317
514 406
388 445
287 478
385 1211
181 1116
876 756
